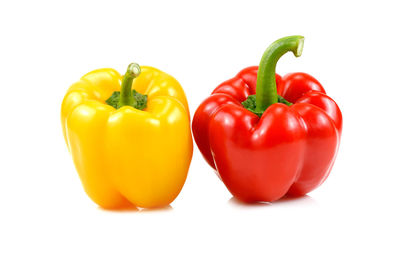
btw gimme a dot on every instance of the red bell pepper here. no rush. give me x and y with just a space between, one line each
262 146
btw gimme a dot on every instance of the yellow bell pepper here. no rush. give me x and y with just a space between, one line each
131 147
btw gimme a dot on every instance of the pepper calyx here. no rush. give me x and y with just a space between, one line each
139 101
250 104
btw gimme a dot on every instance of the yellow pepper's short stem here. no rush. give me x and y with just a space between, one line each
132 72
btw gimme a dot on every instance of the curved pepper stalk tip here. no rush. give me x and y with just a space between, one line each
300 46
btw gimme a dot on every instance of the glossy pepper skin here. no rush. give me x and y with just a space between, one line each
128 156
289 150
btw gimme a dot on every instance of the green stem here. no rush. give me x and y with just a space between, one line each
266 93
127 97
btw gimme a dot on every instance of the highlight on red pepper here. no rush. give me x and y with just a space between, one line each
269 136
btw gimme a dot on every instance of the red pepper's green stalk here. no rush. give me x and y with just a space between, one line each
266 93
127 97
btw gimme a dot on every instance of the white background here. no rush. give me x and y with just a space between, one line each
351 47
